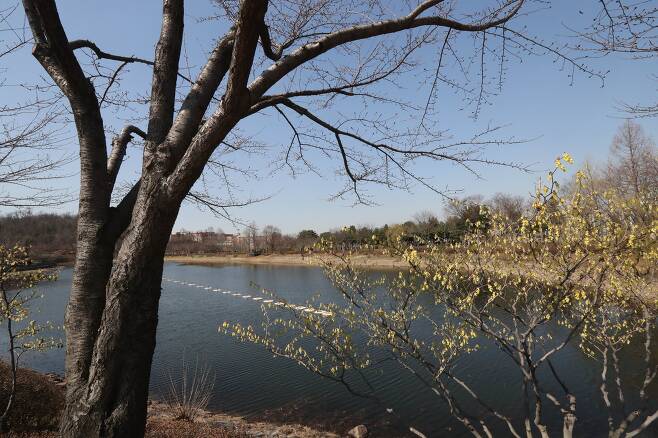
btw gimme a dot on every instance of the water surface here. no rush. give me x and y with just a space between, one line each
249 381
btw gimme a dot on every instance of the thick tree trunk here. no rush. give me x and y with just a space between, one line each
86 302
111 401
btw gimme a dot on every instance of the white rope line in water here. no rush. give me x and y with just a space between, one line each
306 309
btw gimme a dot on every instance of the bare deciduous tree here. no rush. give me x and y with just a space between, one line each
272 236
312 54
251 233
633 167
29 136
510 206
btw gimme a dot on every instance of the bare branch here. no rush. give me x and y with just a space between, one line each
52 50
165 69
312 50
189 118
119 145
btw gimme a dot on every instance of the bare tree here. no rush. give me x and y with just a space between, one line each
510 206
312 53
251 233
427 218
29 136
633 166
468 208
272 236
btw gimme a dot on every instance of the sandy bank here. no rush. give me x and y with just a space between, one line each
361 261
161 418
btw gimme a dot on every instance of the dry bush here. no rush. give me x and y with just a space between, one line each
194 391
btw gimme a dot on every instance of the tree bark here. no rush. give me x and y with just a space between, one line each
112 400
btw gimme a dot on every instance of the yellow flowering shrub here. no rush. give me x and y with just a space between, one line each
578 271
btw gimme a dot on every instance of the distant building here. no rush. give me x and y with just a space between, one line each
208 241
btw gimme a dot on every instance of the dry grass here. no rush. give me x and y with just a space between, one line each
169 428
191 395
162 422
38 402
163 428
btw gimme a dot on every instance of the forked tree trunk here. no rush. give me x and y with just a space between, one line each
111 399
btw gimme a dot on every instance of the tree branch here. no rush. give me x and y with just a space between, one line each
101 54
187 122
251 15
119 145
235 104
52 50
165 69
413 20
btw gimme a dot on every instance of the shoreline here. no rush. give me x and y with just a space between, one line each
362 261
366 261
40 400
160 416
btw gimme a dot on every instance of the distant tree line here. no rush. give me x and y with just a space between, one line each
52 236
631 169
269 239
49 236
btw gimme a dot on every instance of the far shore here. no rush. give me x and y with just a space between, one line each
367 261
363 261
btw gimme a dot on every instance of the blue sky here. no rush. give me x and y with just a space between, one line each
537 102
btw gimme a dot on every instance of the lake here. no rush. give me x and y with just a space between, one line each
250 382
